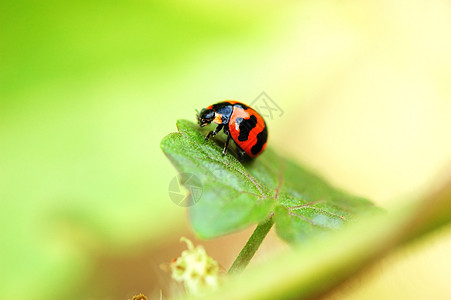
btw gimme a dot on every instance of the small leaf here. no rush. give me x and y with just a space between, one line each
238 194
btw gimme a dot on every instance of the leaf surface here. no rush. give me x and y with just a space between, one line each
238 194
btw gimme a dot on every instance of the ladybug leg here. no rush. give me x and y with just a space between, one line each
241 154
213 133
226 144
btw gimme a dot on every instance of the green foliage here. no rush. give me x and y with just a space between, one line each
237 194
316 268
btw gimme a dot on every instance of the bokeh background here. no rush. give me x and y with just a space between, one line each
89 88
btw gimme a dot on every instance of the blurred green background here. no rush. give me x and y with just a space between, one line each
88 89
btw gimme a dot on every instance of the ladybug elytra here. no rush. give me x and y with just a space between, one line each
239 122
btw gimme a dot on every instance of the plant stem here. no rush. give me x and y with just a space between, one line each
251 246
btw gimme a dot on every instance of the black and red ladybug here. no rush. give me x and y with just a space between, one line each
238 121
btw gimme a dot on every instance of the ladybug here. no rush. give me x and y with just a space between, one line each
238 121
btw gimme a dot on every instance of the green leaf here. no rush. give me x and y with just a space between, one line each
317 268
238 194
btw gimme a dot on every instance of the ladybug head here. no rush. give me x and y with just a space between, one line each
205 117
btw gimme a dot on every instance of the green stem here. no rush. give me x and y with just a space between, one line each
251 246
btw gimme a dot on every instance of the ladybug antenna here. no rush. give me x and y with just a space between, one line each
197 115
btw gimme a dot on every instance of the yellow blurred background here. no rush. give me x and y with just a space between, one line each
88 89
